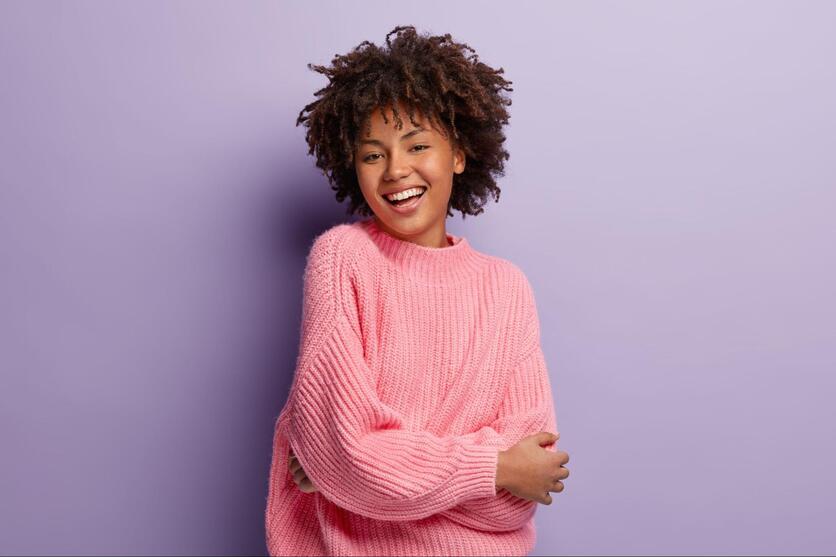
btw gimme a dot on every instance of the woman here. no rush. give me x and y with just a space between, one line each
420 420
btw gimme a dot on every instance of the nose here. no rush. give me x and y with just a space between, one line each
396 168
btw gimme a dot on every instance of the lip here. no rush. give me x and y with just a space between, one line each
410 207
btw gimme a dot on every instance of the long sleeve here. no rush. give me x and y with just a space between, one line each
527 408
393 335
353 446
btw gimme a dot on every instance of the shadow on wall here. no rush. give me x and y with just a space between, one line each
302 206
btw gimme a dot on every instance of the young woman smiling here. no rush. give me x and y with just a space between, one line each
420 420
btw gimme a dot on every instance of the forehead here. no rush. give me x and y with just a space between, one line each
375 125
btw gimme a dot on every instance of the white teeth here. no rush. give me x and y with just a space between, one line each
404 194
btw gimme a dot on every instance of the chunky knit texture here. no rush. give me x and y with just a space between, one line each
416 366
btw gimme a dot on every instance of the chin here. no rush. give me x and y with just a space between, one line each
404 226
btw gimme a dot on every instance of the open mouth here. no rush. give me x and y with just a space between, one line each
406 201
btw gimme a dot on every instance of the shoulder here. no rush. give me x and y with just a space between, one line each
325 290
522 304
331 269
325 247
340 241
514 280
334 251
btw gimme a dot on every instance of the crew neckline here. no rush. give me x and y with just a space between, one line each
428 265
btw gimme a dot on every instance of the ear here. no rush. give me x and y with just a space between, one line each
458 160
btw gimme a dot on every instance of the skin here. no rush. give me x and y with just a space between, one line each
425 158
526 470
384 160
529 471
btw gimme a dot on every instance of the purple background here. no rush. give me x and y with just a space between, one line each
670 194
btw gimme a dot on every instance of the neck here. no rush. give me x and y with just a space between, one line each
455 262
434 237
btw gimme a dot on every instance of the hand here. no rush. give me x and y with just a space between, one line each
529 471
299 477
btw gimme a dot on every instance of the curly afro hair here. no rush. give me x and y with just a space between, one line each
430 73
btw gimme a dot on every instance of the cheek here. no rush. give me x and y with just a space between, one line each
371 196
367 182
435 170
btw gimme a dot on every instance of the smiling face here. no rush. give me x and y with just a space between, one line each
388 159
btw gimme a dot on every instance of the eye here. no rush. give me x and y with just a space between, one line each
368 158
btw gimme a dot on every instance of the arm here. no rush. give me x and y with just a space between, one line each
527 408
353 446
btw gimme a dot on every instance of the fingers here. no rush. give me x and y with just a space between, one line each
306 486
299 478
296 469
562 474
562 457
546 437
546 498
303 482
558 486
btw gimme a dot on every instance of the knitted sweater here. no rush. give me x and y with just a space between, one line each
416 366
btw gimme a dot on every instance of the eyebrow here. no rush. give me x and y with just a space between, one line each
407 135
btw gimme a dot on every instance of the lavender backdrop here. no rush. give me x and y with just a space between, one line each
670 194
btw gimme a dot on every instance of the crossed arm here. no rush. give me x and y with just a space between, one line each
355 449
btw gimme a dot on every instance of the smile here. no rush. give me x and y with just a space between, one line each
408 205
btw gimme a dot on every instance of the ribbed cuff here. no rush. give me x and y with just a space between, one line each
477 471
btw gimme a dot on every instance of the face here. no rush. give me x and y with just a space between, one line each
389 160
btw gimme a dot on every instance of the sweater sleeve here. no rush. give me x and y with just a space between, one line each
527 408
352 445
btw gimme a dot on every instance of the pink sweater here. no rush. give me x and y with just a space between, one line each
416 366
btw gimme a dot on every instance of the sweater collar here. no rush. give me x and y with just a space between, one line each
428 265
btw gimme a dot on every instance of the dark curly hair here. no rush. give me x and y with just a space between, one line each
430 73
